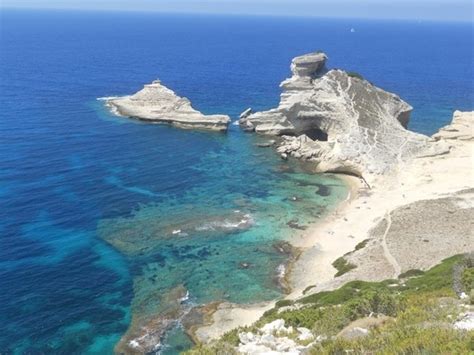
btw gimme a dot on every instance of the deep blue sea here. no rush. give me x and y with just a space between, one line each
102 217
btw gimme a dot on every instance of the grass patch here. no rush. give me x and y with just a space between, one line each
342 266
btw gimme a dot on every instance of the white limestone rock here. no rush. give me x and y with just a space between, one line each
271 339
275 326
465 321
339 121
459 128
304 334
246 113
157 104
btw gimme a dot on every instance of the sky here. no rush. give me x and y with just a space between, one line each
448 10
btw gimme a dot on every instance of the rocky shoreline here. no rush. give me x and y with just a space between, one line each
370 231
411 203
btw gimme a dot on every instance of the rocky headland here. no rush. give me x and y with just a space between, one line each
410 207
339 121
156 103
389 239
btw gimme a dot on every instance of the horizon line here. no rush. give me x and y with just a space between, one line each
207 13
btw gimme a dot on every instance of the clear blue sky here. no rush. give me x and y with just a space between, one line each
449 10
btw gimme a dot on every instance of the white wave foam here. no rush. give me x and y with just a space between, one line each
281 270
185 298
226 224
106 98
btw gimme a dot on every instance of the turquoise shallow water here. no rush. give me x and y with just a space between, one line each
221 240
90 201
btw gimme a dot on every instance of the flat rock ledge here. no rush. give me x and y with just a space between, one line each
156 103
460 128
340 121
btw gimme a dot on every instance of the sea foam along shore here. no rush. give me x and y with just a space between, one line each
425 178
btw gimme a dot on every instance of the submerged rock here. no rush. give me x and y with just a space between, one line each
142 232
244 265
158 104
339 121
266 144
148 327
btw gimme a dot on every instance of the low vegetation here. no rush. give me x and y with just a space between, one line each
411 273
283 303
342 266
354 74
418 311
467 279
362 244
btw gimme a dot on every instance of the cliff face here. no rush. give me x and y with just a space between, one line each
158 104
338 120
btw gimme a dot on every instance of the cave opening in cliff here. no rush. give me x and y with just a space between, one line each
317 134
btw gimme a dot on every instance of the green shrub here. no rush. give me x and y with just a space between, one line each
232 337
343 294
373 301
437 278
410 273
216 348
396 340
422 308
342 266
283 303
362 244
467 279
354 74
331 321
308 288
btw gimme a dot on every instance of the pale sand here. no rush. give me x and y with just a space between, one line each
351 223
229 316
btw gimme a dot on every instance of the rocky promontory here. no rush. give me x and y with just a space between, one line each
157 104
410 234
339 121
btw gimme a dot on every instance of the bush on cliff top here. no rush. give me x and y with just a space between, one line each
422 309
354 74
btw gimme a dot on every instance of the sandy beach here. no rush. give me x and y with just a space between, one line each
426 187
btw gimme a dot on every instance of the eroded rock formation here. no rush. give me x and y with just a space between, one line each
461 127
158 104
340 121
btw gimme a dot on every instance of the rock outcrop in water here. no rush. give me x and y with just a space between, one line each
158 104
340 121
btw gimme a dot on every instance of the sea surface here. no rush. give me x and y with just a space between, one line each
104 219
